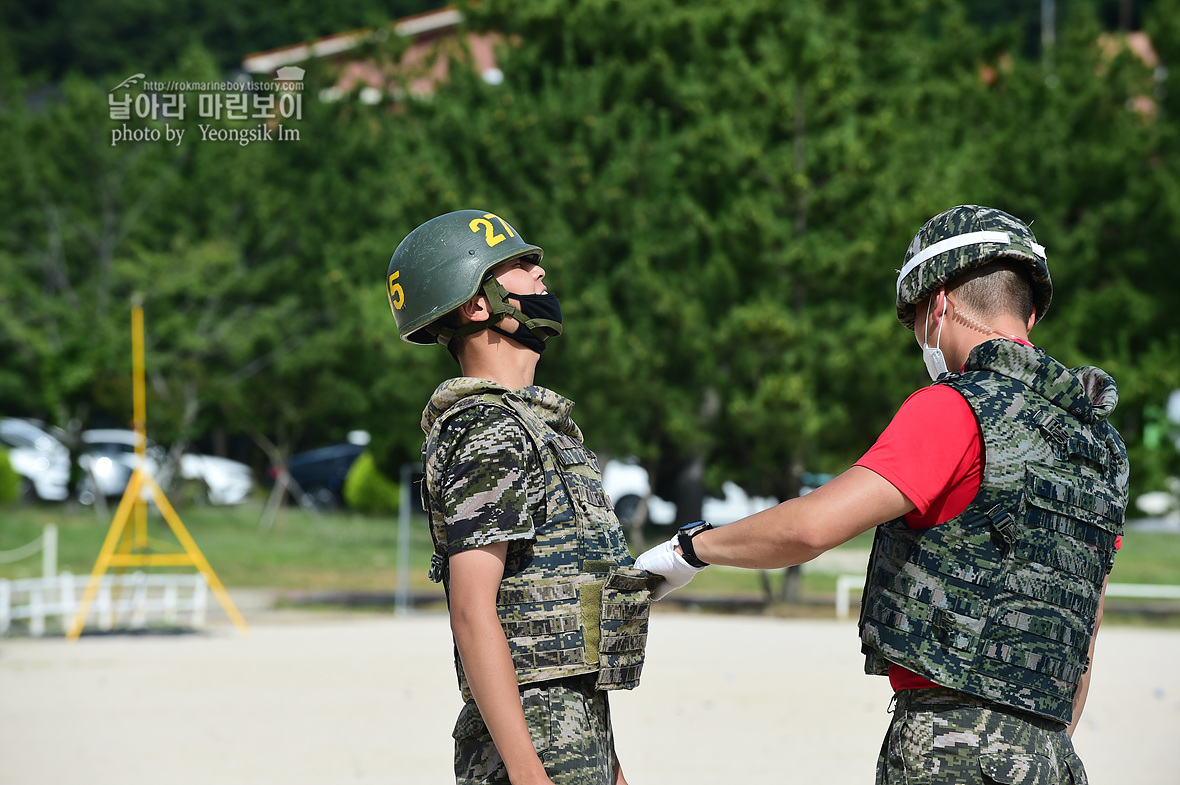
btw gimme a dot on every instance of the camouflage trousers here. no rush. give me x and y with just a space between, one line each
943 736
569 722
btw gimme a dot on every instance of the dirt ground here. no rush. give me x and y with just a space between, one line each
324 699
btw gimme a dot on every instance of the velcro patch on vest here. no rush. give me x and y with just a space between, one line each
597 565
592 611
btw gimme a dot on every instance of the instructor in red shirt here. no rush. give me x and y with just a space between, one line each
998 496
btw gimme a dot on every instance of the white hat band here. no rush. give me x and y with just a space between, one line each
949 244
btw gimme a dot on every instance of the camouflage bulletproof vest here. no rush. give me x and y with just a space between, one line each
576 606
1000 601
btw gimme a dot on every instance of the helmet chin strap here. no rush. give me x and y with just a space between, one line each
497 304
500 308
498 296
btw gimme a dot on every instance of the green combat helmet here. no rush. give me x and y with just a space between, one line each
443 264
961 239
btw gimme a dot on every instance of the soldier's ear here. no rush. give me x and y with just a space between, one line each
477 309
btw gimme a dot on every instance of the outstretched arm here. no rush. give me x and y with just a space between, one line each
475 577
800 529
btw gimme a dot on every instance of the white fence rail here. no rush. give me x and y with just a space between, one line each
846 584
46 545
124 601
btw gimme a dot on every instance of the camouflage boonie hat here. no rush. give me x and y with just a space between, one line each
961 239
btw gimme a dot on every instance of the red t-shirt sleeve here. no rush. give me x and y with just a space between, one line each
932 452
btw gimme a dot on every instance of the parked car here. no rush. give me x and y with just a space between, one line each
107 461
110 459
734 505
38 456
320 473
629 489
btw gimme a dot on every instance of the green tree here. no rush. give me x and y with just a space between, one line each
116 38
724 194
708 182
9 480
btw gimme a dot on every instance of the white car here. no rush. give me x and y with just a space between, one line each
228 482
110 458
38 456
628 486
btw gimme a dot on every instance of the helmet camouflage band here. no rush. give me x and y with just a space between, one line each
961 239
442 264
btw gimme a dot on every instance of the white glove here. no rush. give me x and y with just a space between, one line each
663 560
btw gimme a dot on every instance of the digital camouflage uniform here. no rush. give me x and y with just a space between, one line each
945 737
510 467
999 603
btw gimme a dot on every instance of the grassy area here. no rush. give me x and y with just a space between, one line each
346 551
1148 557
300 551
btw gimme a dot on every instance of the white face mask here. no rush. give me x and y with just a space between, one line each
935 362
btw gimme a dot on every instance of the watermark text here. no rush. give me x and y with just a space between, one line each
182 86
163 105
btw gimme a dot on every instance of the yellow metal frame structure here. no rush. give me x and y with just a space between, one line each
122 541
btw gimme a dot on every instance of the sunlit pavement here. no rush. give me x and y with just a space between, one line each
371 698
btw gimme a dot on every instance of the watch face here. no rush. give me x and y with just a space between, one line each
694 527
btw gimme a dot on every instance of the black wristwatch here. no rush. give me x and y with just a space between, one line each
684 537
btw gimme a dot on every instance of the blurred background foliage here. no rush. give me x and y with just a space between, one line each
724 193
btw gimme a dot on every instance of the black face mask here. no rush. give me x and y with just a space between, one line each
540 318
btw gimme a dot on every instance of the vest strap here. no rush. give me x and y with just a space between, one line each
1004 524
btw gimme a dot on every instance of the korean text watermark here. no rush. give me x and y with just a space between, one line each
272 108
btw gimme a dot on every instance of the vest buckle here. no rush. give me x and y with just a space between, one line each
1004 524
1054 433
943 622
436 568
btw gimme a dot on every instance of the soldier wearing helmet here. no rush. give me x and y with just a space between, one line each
546 609
998 496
